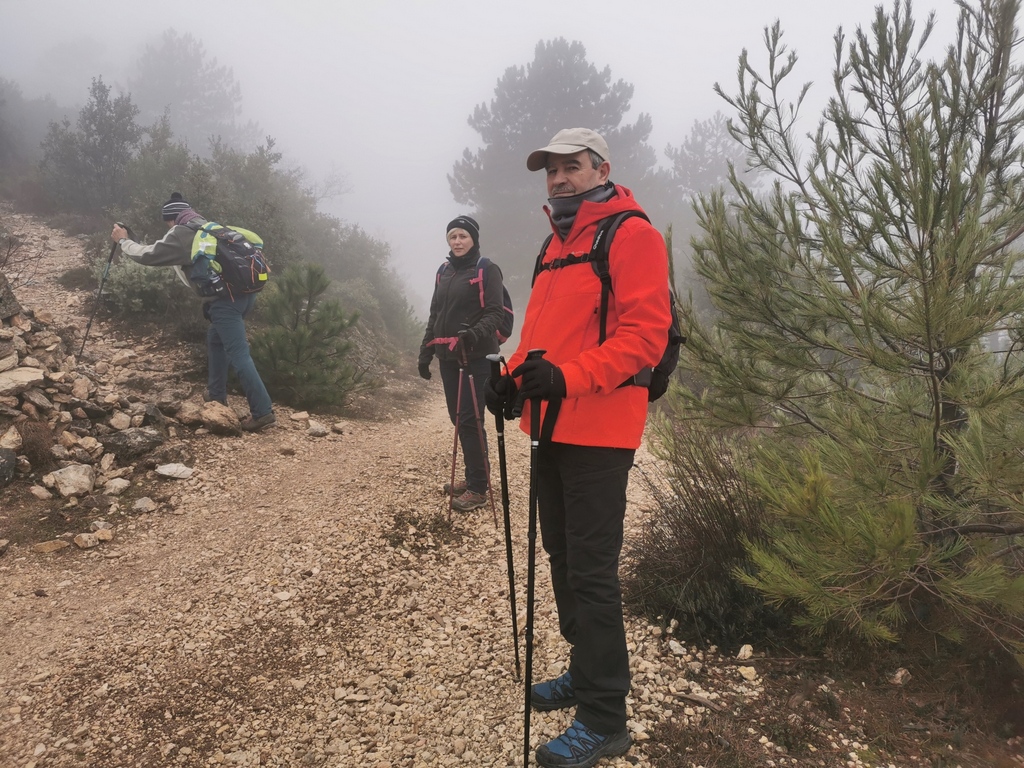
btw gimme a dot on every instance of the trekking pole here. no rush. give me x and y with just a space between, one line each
455 447
99 293
499 425
533 354
480 435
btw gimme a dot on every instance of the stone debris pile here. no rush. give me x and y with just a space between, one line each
80 429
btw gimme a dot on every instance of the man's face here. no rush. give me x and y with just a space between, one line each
570 175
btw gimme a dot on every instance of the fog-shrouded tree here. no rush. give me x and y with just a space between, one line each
201 98
12 151
702 162
362 266
158 166
855 298
559 89
23 124
84 166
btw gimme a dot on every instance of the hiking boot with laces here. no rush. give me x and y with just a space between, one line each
581 747
553 694
469 500
458 489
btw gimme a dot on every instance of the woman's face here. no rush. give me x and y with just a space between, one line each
460 241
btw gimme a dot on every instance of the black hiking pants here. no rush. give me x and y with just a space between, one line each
582 504
465 409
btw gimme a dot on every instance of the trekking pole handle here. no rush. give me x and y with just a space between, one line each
131 236
495 361
517 407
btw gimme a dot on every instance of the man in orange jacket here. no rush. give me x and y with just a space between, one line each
592 425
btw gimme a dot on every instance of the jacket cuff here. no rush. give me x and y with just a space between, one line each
574 380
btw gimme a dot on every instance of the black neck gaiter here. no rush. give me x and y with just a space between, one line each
564 209
466 260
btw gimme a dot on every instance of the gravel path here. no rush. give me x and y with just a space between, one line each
299 601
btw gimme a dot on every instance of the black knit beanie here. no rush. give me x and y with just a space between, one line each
466 223
174 206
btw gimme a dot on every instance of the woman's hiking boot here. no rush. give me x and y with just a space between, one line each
580 747
553 694
458 489
469 500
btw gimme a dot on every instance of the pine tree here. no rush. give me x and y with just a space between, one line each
559 89
302 353
857 301
702 161
84 168
176 77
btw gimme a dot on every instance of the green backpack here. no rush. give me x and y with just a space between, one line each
227 261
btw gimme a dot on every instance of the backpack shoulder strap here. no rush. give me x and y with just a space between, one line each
540 258
599 251
254 239
606 230
481 265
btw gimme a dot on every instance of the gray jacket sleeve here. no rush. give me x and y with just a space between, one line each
172 250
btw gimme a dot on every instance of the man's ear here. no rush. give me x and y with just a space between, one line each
604 171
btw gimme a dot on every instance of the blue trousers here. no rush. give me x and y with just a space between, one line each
227 347
466 410
581 500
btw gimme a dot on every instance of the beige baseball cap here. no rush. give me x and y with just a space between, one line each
568 141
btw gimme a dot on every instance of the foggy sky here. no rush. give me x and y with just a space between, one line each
380 90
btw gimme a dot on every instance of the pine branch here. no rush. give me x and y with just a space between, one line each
989 528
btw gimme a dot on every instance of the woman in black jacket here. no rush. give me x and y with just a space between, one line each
465 312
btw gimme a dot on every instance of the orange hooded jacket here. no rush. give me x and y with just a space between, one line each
563 317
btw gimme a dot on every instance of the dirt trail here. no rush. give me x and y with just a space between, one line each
298 601
280 615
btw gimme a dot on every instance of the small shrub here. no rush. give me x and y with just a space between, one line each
302 353
80 278
132 289
153 295
685 561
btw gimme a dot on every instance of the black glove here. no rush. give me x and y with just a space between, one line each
499 394
466 340
541 378
425 370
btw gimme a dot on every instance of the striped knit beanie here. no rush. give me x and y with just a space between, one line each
174 206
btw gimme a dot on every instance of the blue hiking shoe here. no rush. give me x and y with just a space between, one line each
553 694
581 747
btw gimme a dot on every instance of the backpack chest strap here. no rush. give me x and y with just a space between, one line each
564 261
